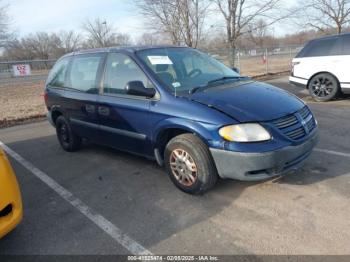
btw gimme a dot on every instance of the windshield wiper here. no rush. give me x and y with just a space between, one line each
194 90
197 88
223 78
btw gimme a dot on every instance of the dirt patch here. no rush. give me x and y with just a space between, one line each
21 102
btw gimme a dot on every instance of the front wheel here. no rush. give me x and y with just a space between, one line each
190 164
323 87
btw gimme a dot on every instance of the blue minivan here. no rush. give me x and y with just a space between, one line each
182 108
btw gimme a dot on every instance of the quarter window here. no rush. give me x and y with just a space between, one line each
346 45
120 70
84 71
58 73
322 47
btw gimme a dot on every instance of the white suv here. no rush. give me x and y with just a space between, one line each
323 67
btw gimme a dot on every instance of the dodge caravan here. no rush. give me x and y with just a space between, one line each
182 108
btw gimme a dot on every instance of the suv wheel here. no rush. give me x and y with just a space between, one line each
190 164
323 87
69 141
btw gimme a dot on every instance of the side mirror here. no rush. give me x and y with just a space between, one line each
137 88
235 69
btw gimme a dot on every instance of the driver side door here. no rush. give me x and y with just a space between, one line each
123 118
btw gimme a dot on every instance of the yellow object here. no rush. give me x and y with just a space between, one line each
11 210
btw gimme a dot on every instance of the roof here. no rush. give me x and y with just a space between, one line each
130 49
332 36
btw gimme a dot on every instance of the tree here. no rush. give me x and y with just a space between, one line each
5 35
70 41
239 15
147 39
182 20
99 33
102 34
40 45
325 14
16 49
258 33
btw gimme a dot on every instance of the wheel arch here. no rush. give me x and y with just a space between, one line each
55 113
322 72
170 129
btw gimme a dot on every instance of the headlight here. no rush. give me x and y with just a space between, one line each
245 133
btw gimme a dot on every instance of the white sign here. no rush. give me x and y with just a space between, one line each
160 60
21 70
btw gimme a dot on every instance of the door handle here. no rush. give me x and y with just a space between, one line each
90 109
103 111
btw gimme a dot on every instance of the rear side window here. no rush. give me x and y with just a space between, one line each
84 71
322 47
57 75
346 45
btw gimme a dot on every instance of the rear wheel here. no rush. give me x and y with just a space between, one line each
69 141
323 87
190 165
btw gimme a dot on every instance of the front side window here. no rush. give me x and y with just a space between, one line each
84 72
120 70
57 75
182 69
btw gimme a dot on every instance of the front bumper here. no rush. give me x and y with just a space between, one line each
297 81
11 211
49 118
260 166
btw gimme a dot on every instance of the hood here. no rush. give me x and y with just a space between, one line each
249 101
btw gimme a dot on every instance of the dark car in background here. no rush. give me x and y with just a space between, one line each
182 108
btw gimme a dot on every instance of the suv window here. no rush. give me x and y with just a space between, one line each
57 75
120 70
346 45
322 47
84 71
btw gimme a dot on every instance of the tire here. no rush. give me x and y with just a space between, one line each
188 150
69 141
323 87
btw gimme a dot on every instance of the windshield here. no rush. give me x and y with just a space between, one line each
183 69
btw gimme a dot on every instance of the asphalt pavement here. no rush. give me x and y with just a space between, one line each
117 196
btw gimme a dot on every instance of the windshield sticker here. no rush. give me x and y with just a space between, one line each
160 60
176 84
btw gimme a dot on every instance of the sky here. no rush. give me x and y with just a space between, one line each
30 16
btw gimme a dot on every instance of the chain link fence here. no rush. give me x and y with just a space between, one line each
250 62
258 61
24 72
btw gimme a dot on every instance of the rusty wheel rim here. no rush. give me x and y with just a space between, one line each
183 167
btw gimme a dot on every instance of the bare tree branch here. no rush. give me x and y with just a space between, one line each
326 14
240 15
182 20
5 33
102 34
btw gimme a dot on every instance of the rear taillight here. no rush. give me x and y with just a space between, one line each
293 64
45 96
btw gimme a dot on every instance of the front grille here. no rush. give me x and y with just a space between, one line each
286 122
298 125
296 134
